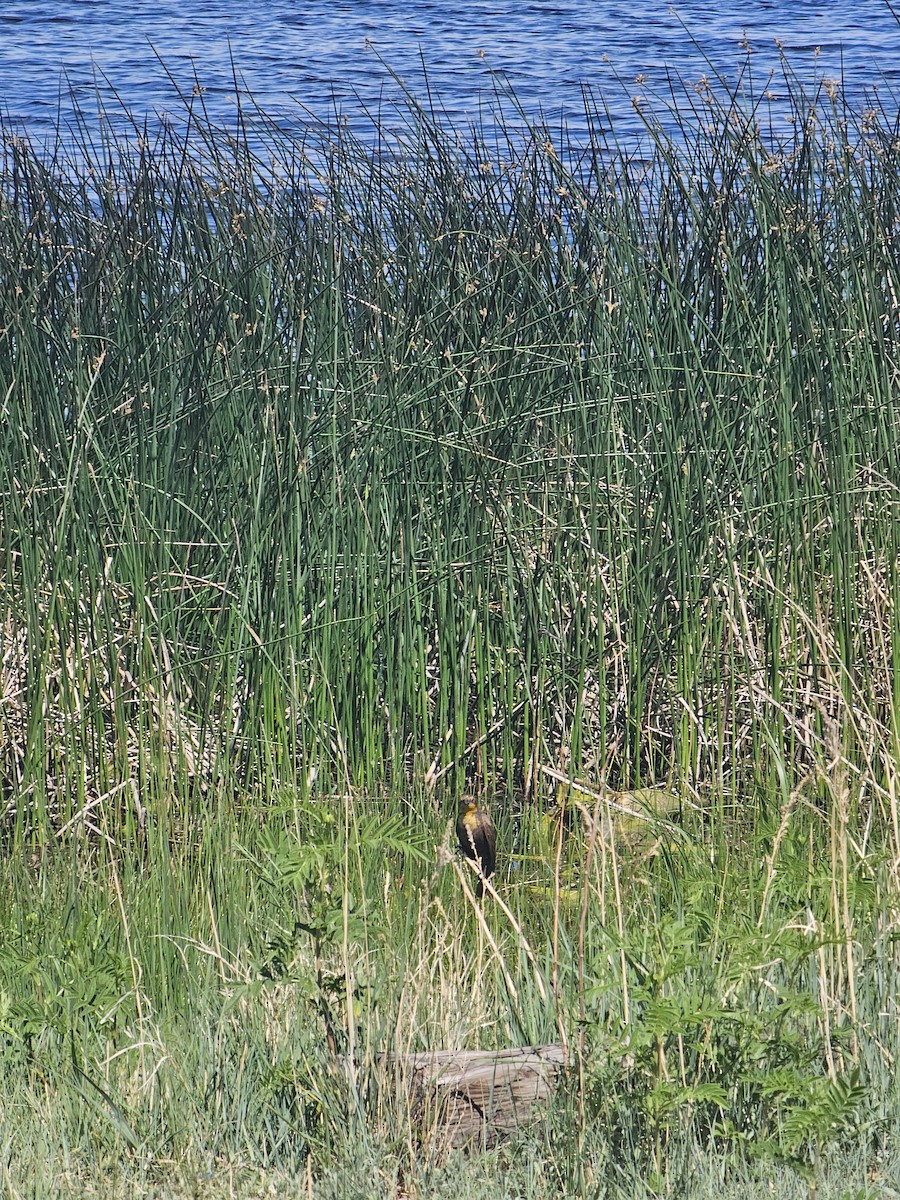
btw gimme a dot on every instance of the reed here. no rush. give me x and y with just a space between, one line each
339 477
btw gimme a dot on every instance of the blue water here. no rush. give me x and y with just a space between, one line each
320 58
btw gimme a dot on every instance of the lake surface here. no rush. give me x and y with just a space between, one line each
320 58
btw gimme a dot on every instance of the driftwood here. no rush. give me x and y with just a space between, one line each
461 1097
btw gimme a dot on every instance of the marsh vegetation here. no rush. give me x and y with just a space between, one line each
339 479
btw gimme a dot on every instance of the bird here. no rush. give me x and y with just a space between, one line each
477 838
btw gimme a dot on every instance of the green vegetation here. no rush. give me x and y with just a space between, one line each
339 478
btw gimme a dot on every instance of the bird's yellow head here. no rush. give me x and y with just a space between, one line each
468 811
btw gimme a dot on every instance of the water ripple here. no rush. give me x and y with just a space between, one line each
315 55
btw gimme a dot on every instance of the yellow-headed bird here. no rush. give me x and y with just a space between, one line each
477 838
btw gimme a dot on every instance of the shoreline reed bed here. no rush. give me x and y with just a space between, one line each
339 478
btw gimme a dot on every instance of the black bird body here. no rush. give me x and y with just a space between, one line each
477 838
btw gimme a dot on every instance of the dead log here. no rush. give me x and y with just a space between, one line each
466 1097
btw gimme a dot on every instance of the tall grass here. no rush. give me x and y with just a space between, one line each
337 477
